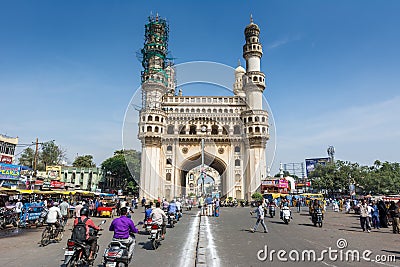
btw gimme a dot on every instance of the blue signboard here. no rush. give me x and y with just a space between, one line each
9 171
312 163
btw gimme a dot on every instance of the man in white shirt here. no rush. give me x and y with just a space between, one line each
370 211
77 212
158 216
18 208
64 208
53 215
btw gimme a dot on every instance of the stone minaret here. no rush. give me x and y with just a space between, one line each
255 118
155 84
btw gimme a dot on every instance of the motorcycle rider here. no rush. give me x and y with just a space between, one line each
173 208
314 207
158 216
54 215
148 210
165 205
285 207
90 239
178 208
271 206
122 228
64 208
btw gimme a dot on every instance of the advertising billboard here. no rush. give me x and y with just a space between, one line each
312 163
9 171
6 159
53 172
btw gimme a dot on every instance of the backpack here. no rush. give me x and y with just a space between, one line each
79 231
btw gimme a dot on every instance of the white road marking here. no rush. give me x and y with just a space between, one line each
188 256
378 262
211 247
328 264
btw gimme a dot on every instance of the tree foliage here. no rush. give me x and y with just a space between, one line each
48 154
124 165
27 157
257 196
85 161
381 178
51 154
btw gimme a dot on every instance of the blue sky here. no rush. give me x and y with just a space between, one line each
68 69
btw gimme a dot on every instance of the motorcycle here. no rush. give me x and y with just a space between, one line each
271 211
119 253
155 235
42 217
147 225
77 253
51 232
189 207
317 218
172 219
7 216
286 215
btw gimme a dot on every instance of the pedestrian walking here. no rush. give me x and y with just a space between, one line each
260 218
217 205
364 221
298 204
394 212
375 216
383 211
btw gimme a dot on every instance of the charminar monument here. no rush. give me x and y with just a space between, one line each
186 138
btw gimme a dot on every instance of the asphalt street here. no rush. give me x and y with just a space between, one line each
225 241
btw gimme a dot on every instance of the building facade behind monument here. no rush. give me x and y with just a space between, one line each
235 128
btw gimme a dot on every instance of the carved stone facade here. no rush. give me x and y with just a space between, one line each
234 128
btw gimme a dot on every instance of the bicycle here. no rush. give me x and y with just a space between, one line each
51 232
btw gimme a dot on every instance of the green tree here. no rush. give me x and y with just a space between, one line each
381 178
257 196
124 166
51 154
27 157
85 161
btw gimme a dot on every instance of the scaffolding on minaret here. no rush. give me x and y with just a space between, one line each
154 53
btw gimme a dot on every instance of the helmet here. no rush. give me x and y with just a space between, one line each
85 211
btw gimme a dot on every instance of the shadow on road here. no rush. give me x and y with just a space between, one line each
146 245
392 252
308 224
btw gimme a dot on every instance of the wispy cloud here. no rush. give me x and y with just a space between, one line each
360 133
283 41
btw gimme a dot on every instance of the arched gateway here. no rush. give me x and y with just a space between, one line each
234 128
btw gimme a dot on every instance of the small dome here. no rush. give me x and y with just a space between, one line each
240 69
252 28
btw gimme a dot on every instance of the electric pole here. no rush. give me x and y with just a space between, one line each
35 159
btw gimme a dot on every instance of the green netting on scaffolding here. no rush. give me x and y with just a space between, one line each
156 45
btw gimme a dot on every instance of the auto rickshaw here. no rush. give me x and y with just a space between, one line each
30 214
105 211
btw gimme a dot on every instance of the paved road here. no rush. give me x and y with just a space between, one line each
238 247
222 241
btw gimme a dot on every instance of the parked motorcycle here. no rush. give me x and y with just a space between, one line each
155 235
317 218
272 211
7 216
286 215
119 253
77 253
